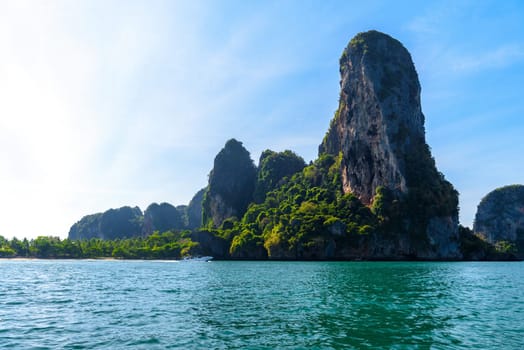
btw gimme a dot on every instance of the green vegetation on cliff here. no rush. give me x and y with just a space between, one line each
429 194
307 217
273 168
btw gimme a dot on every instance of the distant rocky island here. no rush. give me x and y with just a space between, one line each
373 193
127 222
500 220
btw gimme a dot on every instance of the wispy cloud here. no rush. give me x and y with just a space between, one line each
493 58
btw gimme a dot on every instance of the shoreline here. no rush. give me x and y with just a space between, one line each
266 260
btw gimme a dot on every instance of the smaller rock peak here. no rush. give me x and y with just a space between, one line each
500 219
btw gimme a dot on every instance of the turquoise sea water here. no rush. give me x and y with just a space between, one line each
260 305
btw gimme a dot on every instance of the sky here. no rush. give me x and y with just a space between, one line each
111 103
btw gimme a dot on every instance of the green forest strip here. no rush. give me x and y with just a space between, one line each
168 245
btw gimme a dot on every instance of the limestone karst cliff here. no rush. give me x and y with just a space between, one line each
194 210
379 120
378 130
374 191
500 219
111 224
231 184
127 222
161 217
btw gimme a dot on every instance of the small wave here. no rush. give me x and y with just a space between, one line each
148 341
40 329
62 301
170 291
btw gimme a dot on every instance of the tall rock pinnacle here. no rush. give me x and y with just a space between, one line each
378 130
379 119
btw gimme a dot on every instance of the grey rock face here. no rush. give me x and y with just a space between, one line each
221 209
210 244
378 130
379 118
194 210
500 216
443 238
86 228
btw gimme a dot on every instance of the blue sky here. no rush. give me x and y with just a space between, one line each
112 103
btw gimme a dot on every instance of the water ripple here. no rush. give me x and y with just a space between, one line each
260 305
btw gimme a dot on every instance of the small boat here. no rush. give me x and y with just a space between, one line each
198 258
